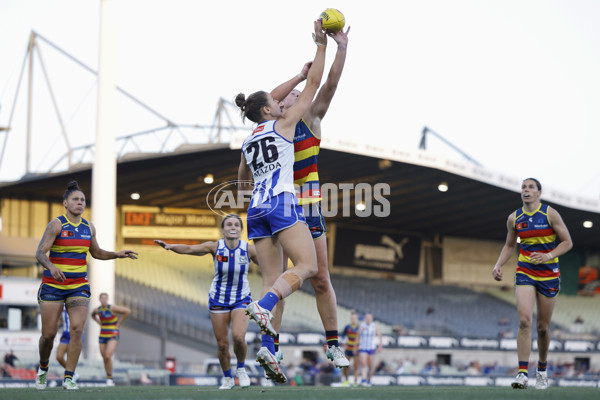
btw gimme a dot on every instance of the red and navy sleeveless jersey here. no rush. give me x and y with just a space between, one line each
306 154
536 235
108 322
69 254
350 332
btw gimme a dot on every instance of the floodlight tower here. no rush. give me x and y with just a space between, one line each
104 172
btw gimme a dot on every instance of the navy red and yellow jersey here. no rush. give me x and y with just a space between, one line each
108 322
306 154
69 254
536 235
350 332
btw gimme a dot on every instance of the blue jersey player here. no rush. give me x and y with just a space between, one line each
229 293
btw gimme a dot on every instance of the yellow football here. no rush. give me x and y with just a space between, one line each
332 20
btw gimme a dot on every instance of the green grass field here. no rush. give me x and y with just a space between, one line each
301 393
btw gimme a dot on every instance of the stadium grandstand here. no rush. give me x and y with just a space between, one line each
423 269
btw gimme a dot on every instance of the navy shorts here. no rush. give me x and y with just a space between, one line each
50 294
274 215
65 337
106 339
218 308
548 288
369 352
314 219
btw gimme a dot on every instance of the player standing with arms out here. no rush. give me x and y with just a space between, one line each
229 293
275 220
350 333
67 239
367 348
307 141
537 279
107 316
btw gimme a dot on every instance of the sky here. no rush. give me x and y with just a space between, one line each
513 83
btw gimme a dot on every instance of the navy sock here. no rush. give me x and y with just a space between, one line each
332 338
227 373
267 341
241 364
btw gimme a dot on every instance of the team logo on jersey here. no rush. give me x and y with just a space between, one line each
243 259
258 129
221 258
66 234
522 225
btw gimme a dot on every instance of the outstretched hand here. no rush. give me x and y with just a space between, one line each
319 36
127 254
163 244
305 69
340 37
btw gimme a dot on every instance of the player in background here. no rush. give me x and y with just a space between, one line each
62 252
229 293
107 316
350 333
275 220
537 279
307 141
368 333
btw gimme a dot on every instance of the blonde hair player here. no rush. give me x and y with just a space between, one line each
109 317
275 220
537 279
307 142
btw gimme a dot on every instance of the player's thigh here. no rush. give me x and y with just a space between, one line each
50 314
220 323
298 244
239 323
270 256
77 308
525 301
102 347
111 347
545 308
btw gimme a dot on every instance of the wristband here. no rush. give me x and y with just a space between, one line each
551 256
302 76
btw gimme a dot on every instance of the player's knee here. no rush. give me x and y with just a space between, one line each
321 283
223 346
239 341
524 323
48 337
543 329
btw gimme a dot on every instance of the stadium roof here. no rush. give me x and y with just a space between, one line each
476 205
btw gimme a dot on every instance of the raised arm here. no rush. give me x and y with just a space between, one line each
323 100
41 254
281 91
508 249
287 123
244 175
193 250
101 254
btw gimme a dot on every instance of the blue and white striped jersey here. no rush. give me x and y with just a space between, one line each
367 336
230 284
271 159
66 324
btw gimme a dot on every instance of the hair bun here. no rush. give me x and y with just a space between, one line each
73 185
